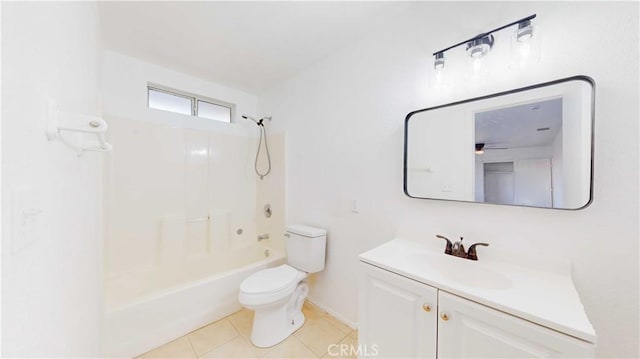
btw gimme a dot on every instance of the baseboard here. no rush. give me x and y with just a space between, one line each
335 314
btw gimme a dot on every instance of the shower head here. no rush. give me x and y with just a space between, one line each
249 118
258 122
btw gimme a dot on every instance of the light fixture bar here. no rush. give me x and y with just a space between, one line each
480 36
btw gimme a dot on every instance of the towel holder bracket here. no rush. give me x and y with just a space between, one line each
72 130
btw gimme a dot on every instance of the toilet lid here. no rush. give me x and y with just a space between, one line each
269 280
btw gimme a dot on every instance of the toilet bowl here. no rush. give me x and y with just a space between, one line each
277 294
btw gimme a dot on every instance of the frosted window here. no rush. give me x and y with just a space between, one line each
169 102
214 112
176 101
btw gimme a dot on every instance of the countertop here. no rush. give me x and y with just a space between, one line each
547 299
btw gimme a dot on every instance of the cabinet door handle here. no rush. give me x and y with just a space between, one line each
444 316
426 307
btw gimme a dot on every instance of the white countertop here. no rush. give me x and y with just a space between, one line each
548 299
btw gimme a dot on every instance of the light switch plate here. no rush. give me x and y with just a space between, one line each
28 217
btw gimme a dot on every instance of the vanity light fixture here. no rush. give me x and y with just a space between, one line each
480 45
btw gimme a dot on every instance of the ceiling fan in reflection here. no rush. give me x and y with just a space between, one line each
481 147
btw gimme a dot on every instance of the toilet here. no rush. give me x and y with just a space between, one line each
277 294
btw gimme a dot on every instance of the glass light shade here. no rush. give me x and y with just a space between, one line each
478 50
525 46
525 31
479 47
438 63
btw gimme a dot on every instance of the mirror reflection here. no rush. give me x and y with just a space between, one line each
527 147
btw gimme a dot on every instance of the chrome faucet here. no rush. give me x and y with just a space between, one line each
457 249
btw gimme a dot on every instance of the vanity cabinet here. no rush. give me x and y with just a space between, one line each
469 330
402 317
397 316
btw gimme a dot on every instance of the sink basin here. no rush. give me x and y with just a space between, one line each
461 271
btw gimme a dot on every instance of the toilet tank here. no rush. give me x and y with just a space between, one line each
306 247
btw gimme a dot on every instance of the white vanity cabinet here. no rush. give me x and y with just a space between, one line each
401 317
470 330
397 315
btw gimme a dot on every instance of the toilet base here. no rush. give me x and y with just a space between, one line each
273 325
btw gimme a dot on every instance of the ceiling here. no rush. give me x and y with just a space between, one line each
517 126
246 45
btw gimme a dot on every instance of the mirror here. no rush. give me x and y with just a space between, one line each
526 147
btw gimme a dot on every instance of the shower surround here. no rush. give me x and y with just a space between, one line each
183 210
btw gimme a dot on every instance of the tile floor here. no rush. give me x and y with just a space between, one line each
229 338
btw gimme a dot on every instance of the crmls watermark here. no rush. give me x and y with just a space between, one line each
351 350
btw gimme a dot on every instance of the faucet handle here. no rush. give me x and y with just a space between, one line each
449 248
472 254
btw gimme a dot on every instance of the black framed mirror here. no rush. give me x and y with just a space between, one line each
531 146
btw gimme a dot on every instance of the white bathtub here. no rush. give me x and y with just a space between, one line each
151 307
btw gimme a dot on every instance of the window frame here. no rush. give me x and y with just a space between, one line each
194 101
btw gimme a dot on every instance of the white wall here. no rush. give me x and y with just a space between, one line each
1 192
557 165
344 123
52 288
430 173
576 145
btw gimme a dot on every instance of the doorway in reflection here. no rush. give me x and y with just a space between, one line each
516 148
498 183
523 182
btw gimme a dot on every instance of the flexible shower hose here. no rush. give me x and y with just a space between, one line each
263 133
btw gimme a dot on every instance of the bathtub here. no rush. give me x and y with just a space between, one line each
150 307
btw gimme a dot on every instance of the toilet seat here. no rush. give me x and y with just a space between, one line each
270 285
269 280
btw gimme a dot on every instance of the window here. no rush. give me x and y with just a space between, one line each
213 111
166 101
187 104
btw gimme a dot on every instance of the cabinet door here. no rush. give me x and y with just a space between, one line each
470 330
397 316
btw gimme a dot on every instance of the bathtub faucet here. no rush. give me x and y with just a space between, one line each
262 237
